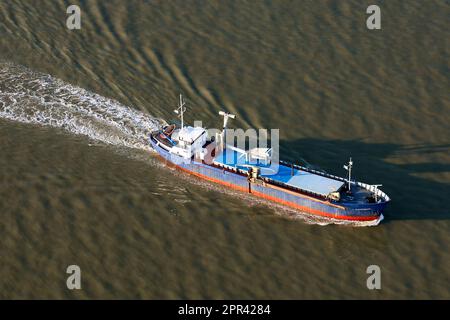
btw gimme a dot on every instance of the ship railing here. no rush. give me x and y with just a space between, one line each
374 189
318 172
371 188
229 168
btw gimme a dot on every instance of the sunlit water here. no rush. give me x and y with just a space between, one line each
80 185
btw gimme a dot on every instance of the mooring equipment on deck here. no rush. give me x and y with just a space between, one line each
375 191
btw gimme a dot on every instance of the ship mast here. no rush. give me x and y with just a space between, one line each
226 116
348 167
181 109
375 191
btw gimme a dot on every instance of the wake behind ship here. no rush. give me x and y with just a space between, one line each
254 171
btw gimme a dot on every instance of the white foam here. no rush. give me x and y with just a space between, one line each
31 97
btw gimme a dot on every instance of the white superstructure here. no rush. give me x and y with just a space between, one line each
189 141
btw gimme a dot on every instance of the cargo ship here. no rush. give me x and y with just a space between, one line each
310 191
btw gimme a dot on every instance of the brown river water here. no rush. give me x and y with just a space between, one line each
80 185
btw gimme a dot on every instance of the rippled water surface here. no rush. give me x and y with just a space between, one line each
80 185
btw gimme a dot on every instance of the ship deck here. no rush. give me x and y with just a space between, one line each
283 174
